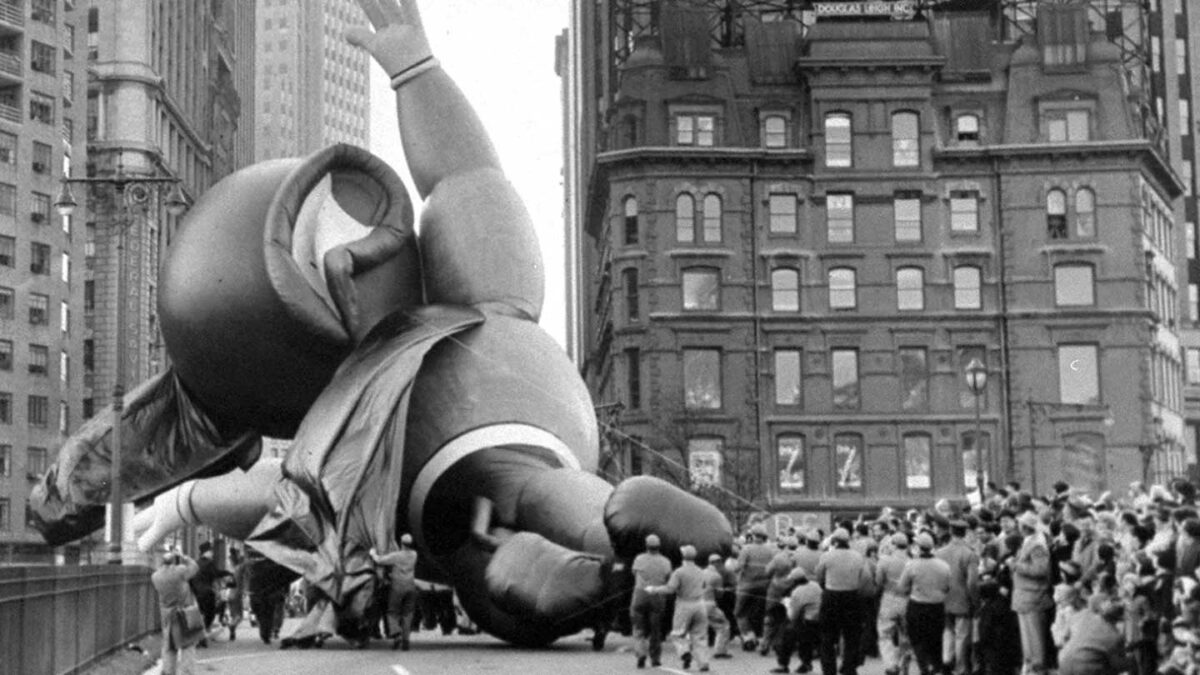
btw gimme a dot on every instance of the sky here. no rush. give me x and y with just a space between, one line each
501 54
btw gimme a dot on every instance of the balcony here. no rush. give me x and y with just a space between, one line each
12 18
10 113
12 71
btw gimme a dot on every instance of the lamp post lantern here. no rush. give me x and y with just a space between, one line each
126 190
977 376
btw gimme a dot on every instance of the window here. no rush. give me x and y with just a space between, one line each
906 213
1073 285
1056 214
1193 365
41 108
8 148
7 301
848 461
785 290
631 221
1062 32
838 149
35 461
39 360
1085 213
704 461
1078 374
89 295
789 453
38 409
702 379
1180 54
41 57
40 210
1191 240
633 377
629 279
64 316
5 460
966 129
839 218
42 156
918 462
775 131
712 218
842 292
64 417
787 377
39 309
701 288
845 379
5 407
685 218
42 10
964 211
914 378
782 208
89 355
906 140
64 366
910 288
698 130
6 355
8 199
1193 303
1068 126
5 514
39 258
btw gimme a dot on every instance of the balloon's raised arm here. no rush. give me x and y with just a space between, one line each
441 133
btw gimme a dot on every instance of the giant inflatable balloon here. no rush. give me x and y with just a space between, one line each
298 300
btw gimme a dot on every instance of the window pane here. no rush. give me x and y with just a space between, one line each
712 218
910 288
839 214
841 289
917 463
785 290
1078 374
837 140
701 289
906 150
964 212
966 127
1077 125
631 221
775 131
787 377
704 461
1193 365
629 279
848 452
783 212
685 218
845 379
914 379
971 458
1073 285
907 216
1056 130
1085 213
702 378
705 130
685 128
967 288
790 455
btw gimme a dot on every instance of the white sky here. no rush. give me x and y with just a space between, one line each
501 54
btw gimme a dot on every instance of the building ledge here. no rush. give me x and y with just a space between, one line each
677 152
1073 247
698 253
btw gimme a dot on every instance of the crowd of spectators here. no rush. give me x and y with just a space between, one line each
1084 584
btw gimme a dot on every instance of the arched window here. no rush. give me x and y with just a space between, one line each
1085 213
712 217
910 288
629 279
775 131
685 218
785 290
842 293
967 287
1056 214
631 220
629 131
838 147
906 139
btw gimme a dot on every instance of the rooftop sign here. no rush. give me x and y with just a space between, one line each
900 10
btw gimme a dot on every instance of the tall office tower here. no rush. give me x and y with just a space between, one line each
838 255
313 86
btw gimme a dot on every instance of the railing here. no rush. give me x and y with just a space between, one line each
10 63
10 112
12 13
56 620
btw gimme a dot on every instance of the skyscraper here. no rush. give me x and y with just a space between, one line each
806 226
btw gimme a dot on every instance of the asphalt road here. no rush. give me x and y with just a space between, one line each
435 654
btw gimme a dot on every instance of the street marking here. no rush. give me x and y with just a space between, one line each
672 670
236 657
400 670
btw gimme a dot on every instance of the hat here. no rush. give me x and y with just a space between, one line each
714 558
900 540
759 530
652 541
1029 519
840 535
798 572
406 539
688 552
924 541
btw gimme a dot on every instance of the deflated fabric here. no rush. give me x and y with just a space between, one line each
166 439
342 473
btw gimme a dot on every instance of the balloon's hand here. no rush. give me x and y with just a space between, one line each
170 511
398 42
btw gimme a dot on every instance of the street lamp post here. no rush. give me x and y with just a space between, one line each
977 376
126 189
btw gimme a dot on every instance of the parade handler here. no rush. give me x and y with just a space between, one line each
297 300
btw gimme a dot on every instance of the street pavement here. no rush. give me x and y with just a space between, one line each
435 654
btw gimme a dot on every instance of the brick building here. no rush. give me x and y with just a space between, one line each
798 223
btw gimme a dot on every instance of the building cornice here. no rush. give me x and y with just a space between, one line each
709 154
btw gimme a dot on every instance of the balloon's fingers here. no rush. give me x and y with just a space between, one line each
645 505
143 519
566 506
375 13
359 36
529 575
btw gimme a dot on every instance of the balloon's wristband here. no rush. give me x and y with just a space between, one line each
415 70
